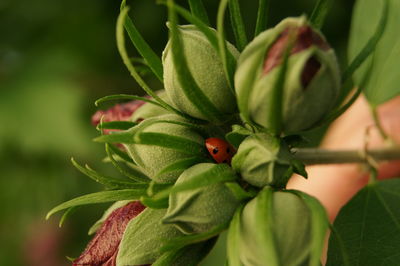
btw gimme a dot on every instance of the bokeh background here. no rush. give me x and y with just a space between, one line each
56 59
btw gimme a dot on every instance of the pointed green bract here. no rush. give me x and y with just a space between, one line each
199 11
320 12
262 16
237 24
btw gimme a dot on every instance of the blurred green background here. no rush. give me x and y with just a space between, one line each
56 58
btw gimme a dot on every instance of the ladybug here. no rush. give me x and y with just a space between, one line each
220 150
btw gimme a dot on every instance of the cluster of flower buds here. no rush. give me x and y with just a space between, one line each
276 225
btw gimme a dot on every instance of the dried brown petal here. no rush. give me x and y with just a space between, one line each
103 248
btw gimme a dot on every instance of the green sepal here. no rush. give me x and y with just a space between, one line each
237 135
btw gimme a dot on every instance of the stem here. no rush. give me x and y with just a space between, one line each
311 156
378 123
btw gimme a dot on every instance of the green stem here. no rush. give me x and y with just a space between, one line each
311 156
378 123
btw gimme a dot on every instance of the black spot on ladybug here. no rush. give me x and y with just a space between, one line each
215 150
228 150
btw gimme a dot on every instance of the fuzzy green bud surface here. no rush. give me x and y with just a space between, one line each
149 110
311 83
201 209
277 228
164 148
263 160
207 70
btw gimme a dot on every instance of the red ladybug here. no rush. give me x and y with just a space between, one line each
220 150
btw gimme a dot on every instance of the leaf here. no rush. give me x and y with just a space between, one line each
189 86
199 11
228 62
66 215
100 197
262 15
125 58
187 256
108 182
179 242
181 164
367 228
135 176
233 241
124 97
237 135
319 13
151 58
376 23
216 174
237 24
119 125
121 154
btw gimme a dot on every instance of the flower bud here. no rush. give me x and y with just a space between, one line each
201 209
164 149
143 238
264 160
311 84
207 70
279 228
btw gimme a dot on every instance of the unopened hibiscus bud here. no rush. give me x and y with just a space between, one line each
103 248
200 210
265 160
164 148
279 228
144 237
312 81
207 70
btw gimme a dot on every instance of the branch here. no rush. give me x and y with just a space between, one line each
311 156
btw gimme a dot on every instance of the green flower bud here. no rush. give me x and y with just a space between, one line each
312 80
149 110
164 149
143 238
278 228
207 70
201 209
263 160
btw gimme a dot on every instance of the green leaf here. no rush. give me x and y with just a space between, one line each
151 58
169 141
237 24
216 174
320 11
124 97
319 227
367 228
66 215
237 135
239 192
233 241
100 197
125 58
262 15
179 242
154 203
187 256
117 137
121 154
374 39
136 175
108 182
199 11
119 125
191 89
228 62
181 164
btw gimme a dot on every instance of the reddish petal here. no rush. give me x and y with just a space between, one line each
105 243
